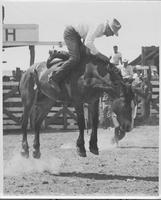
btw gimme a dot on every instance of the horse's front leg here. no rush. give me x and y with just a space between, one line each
94 110
37 126
81 124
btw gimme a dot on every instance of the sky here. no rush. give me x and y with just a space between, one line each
140 22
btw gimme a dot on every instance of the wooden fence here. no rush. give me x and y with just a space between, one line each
62 117
154 106
59 117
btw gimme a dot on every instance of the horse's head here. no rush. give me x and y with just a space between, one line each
124 107
107 78
124 104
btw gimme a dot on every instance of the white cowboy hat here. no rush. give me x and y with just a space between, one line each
115 26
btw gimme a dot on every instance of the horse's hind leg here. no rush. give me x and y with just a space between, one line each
28 97
81 124
25 116
94 108
42 109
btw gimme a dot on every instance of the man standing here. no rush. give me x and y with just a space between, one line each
126 70
116 58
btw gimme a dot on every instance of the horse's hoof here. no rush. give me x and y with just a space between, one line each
36 154
81 153
25 154
94 151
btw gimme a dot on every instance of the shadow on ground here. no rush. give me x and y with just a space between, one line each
98 176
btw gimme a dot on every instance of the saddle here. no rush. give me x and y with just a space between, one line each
56 57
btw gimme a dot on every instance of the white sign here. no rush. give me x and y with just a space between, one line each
20 33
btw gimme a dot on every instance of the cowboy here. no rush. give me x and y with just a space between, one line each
73 36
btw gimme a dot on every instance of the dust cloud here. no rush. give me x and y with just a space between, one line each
17 165
104 141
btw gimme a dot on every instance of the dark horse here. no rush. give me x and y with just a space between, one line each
86 84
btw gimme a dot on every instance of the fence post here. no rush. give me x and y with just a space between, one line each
32 54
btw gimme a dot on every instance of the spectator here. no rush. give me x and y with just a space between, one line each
155 74
135 75
116 58
126 70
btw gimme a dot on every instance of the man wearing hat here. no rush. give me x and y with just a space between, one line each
73 36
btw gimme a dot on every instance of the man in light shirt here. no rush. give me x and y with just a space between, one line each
73 35
126 70
116 58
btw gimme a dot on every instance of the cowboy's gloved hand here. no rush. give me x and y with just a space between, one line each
102 57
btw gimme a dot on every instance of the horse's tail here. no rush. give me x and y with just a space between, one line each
19 82
36 77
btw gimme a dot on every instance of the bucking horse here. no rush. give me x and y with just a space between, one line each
84 84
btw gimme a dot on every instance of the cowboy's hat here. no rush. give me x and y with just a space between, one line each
115 26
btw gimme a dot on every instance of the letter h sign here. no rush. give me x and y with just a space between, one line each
11 33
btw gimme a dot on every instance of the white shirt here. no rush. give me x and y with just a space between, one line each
136 79
116 58
89 32
126 72
135 75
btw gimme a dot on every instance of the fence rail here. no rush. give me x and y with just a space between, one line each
58 117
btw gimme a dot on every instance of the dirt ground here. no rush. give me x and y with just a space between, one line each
131 169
